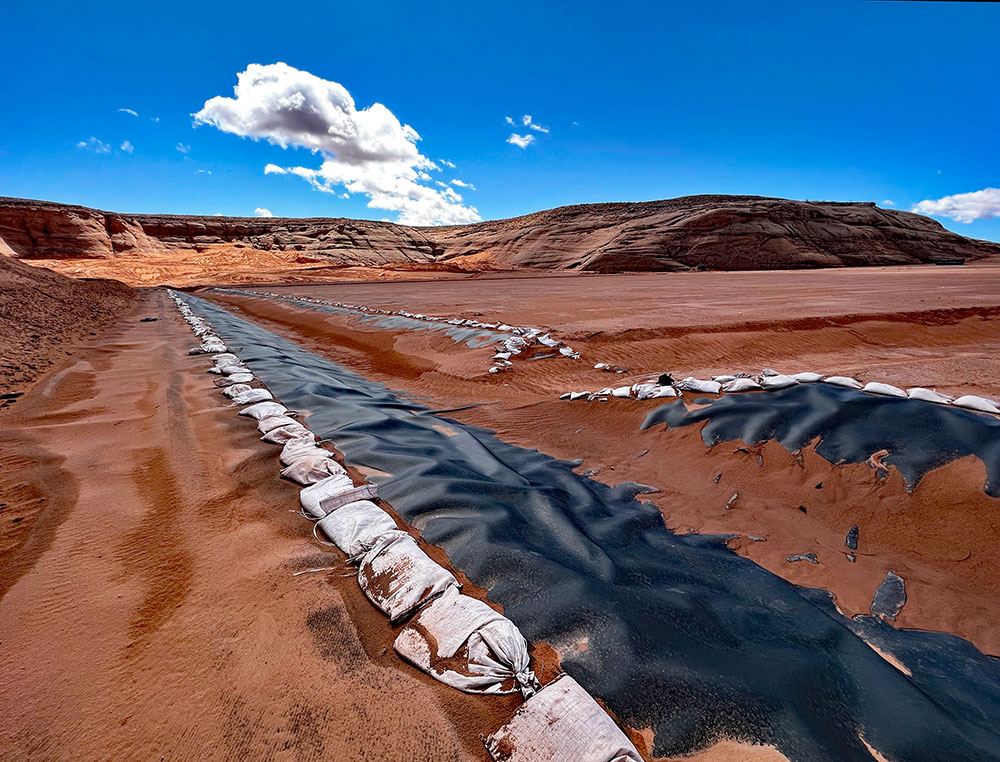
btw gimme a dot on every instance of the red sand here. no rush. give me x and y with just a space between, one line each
939 538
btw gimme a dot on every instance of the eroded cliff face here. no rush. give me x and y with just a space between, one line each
717 232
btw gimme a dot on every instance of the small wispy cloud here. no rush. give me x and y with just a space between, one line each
445 162
461 184
203 171
963 207
521 141
528 122
128 111
154 119
95 145
510 121
183 148
262 212
127 146
888 202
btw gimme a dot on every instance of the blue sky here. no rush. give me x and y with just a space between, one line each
840 100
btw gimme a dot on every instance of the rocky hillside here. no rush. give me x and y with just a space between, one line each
717 232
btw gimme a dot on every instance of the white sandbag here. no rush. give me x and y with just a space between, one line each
690 384
652 391
807 377
282 434
464 643
207 349
972 402
662 391
306 471
271 422
777 381
849 383
228 367
929 395
224 356
265 409
398 577
305 447
622 391
242 377
235 389
886 390
356 527
741 385
333 492
252 397
768 372
561 723
724 379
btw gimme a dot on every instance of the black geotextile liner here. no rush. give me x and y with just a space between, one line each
677 634
850 425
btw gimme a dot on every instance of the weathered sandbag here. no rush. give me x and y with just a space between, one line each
264 409
561 723
777 381
309 470
690 384
207 348
929 395
333 492
886 390
807 377
741 385
972 402
235 389
398 577
464 643
271 422
304 447
240 377
651 391
623 392
848 383
724 379
769 372
282 434
225 356
228 367
356 527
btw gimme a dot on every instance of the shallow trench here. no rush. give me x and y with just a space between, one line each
674 633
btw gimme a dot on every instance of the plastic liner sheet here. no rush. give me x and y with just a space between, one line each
674 633
850 425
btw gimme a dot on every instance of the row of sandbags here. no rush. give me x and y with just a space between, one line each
771 380
522 337
459 640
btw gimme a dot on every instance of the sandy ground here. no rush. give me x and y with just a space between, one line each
940 538
149 608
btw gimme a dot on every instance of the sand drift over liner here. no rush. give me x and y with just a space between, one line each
676 634
851 426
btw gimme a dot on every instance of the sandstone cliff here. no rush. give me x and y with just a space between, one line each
718 232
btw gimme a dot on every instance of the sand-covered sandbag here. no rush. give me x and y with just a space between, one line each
561 723
282 434
844 381
886 390
236 390
333 492
268 423
356 527
690 384
265 409
398 577
807 377
972 402
303 447
464 643
310 470
777 381
208 348
929 395
741 385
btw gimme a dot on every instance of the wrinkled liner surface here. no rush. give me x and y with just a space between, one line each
677 634
850 425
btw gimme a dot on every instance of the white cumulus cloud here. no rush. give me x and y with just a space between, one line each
366 150
262 212
183 148
127 146
510 121
461 184
963 207
95 145
521 141
128 111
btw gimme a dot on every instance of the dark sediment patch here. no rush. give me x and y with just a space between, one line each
675 633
